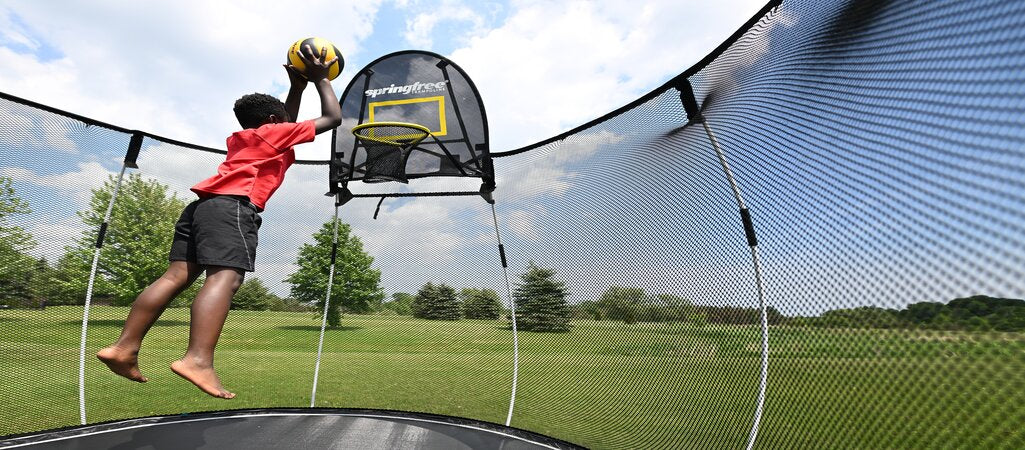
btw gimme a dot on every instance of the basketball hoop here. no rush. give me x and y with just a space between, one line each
388 145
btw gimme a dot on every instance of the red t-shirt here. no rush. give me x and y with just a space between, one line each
257 160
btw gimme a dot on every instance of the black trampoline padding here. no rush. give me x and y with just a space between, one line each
314 428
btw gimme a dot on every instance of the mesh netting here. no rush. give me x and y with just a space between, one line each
387 147
878 146
385 163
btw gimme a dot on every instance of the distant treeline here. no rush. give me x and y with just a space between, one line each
631 305
976 313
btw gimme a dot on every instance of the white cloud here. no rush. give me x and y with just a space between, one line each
551 176
420 28
52 235
173 69
756 45
176 167
582 145
25 132
554 65
419 227
523 224
75 185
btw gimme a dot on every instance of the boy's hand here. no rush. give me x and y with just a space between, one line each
317 67
295 79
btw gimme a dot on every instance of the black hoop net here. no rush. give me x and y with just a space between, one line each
387 147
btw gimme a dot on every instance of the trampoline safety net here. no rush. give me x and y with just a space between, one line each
876 147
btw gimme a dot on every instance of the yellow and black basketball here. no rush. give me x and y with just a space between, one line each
316 44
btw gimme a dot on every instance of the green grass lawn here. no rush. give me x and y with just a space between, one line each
603 385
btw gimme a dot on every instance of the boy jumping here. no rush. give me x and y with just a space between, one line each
218 232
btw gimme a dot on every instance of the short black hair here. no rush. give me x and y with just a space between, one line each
252 110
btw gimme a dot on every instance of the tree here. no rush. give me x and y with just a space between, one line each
923 312
978 324
437 302
135 249
736 315
665 308
481 304
621 303
15 264
401 303
587 309
541 301
13 236
356 287
67 283
40 282
253 295
425 297
16 278
861 317
289 304
16 284
941 321
1008 318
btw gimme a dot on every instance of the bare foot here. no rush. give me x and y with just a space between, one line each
203 377
122 362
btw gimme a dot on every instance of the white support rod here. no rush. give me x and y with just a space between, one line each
512 309
763 380
327 302
89 295
725 165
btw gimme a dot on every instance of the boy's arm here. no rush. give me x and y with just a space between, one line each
317 70
295 92
330 111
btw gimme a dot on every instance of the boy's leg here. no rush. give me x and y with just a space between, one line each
209 311
122 356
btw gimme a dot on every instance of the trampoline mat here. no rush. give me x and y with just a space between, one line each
257 429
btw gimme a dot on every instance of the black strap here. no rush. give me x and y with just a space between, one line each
378 208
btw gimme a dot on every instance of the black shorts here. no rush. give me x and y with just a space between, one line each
217 231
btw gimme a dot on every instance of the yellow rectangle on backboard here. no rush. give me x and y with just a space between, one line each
378 109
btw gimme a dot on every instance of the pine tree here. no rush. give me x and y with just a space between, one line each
449 306
424 300
481 304
437 302
253 295
541 301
